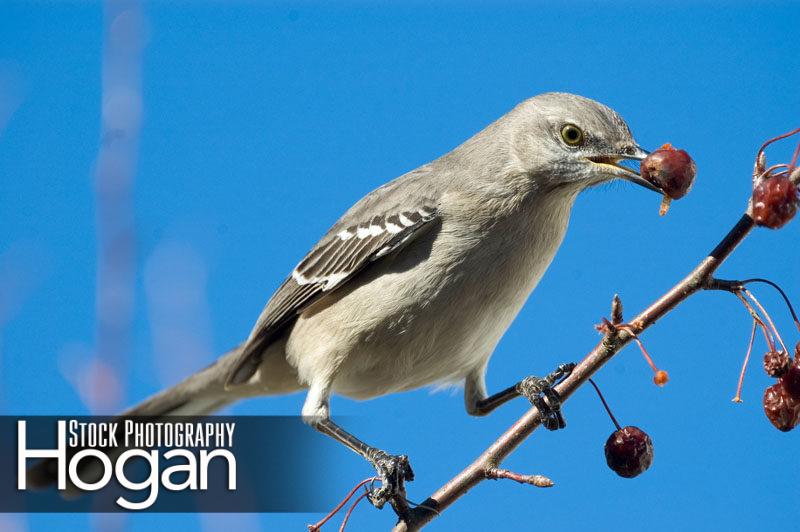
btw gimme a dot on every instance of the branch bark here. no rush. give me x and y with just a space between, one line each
700 278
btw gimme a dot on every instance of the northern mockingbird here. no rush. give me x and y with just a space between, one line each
418 281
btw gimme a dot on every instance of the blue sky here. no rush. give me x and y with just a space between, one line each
263 123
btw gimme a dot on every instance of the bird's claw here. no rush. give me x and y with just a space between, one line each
393 471
536 389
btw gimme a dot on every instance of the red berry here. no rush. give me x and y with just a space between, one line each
629 451
670 170
791 382
780 408
776 363
774 202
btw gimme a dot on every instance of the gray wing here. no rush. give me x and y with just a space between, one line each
382 222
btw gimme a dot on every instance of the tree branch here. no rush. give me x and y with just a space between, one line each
701 278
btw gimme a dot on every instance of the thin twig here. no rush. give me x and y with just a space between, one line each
700 278
540 481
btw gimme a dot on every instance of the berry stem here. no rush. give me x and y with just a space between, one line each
660 376
315 527
738 397
768 171
350 511
775 139
766 315
781 292
757 318
603 399
794 157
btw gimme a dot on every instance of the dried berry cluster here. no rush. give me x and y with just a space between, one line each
775 195
782 399
774 201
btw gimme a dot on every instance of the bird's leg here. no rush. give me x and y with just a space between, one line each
392 470
536 390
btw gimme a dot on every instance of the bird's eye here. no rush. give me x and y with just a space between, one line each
572 134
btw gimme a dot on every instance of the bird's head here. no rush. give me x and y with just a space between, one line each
567 140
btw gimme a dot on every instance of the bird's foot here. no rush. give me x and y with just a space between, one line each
393 472
537 389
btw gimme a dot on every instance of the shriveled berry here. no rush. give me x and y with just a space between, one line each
661 377
780 408
776 363
774 202
629 451
670 170
791 382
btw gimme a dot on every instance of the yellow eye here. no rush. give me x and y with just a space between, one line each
572 134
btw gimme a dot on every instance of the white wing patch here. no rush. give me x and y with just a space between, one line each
336 259
345 235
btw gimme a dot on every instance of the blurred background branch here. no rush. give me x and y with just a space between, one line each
121 119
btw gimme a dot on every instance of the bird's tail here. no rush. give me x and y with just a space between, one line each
199 394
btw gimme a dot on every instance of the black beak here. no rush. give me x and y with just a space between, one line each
610 165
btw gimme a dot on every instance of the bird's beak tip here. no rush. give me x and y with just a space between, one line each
611 165
638 153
